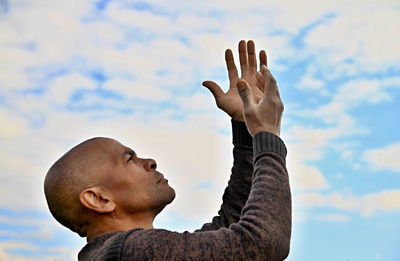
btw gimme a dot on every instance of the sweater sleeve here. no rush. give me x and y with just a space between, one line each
262 232
238 189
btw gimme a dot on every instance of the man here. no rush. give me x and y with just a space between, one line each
103 191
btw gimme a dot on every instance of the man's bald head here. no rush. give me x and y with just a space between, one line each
100 181
80 168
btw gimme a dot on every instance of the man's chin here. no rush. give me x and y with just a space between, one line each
171 196
167 201
168 197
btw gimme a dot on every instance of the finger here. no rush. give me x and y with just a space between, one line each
263 58
269 88
259 76
263 69
278 95
260 81
230 65
279 102
278 98
214 88
260 86
273 91
243 57
245 93
251 51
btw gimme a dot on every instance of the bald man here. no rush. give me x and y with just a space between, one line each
102 190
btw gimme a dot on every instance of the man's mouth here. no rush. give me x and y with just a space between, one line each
161 177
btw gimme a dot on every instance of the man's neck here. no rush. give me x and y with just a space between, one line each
107 225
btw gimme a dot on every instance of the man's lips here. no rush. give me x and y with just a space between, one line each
161 177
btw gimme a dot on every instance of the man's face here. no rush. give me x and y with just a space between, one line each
133 181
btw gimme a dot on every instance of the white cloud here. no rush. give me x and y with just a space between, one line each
63 253
13 126
63 87
7 246
197 102
309 82
50 254
137 89
366 205
305 177
306 146
23 219
146 21
337 114
333 217
384 158
44 233
203 204
308 142
348 36
13 74
351 95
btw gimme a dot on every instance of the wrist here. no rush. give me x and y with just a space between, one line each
267 142
275 131
237 116
240 134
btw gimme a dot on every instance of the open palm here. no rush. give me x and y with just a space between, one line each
230 101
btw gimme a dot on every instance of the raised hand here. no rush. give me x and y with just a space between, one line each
266 114
230 101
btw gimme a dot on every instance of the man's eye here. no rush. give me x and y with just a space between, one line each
131 155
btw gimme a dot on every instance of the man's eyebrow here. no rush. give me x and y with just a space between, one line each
128 151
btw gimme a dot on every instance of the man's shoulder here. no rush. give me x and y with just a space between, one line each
105 247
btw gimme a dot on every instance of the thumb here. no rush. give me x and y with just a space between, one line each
214 88
244 92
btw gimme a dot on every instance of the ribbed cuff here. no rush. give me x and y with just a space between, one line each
265 141
240 134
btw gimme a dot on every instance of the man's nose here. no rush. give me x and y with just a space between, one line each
150 164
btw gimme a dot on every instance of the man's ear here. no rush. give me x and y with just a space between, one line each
97 199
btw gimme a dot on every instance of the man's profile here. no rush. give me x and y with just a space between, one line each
102 190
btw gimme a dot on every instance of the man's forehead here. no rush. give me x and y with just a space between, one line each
104 145
119 148
102 151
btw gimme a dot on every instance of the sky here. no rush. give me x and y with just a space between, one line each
132 70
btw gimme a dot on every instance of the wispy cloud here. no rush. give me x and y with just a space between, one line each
385 158
366 205
333 217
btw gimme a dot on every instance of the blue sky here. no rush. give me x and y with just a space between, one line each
132 70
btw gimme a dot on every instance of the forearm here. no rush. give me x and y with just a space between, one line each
267 213
237 191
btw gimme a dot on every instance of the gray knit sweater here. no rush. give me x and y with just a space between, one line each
254 222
